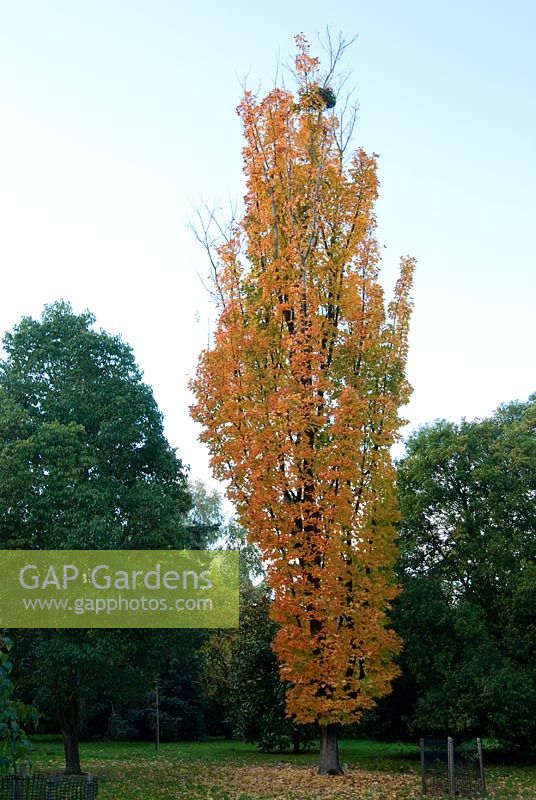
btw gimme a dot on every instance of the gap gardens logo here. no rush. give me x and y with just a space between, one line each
119 589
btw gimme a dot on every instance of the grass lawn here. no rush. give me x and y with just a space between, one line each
222 770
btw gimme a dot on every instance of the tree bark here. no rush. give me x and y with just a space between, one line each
329 750
68 717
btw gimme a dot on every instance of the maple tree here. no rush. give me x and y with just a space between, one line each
299 396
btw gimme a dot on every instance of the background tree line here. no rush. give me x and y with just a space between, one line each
84 463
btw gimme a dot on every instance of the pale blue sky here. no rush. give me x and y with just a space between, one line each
115 116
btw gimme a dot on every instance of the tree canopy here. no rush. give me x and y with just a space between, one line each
468 554
84 464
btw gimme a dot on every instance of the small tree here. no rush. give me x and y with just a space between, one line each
299 397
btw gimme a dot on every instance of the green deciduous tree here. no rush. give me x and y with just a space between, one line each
84 464
468 539
84 460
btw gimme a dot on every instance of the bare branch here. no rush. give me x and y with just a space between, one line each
335 50
348 116
211 233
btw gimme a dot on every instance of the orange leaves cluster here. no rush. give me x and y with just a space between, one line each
299 399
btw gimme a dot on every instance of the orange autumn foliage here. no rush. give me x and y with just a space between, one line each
299 397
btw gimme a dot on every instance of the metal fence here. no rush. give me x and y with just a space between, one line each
48 787
452 768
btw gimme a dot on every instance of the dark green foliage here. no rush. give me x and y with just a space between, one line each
182 704
465 683
257 693
15 746
84 464
468 548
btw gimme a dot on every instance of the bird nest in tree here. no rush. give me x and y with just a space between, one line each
318 97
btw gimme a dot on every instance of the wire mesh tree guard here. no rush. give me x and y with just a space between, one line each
450 768
48 787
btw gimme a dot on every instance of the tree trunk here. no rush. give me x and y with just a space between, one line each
296 741
68 716
329 750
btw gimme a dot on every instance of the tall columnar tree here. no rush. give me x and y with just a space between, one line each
299 396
